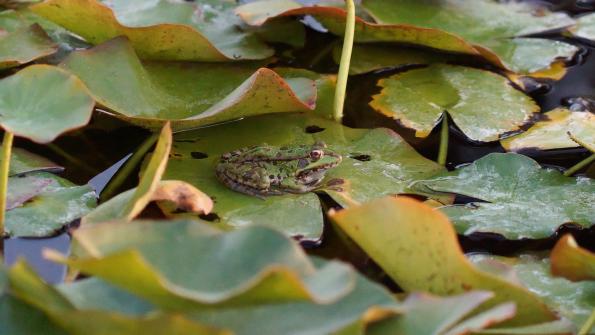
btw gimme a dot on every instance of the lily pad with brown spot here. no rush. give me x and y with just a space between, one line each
375 163
482 104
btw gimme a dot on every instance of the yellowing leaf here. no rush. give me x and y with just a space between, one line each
571 261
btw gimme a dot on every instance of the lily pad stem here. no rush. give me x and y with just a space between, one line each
345 61
578 166
124 173
6 149
586 328
443 150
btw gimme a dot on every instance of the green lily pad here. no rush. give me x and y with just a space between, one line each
29 287
482 104
484 28
427 314
553 131
267 267
572 300
24 46
571 261
418 248
60 103
39 204
196 31
522 199
585 27
188 94
23 162
375 163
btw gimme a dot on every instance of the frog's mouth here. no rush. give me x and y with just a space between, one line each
315 171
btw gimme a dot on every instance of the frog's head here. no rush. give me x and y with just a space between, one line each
313 167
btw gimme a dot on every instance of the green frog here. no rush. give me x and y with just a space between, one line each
268 170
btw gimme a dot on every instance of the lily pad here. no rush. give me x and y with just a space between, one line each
188 94
485 28
196 31
23 162
571 300
375 163
418 248
571 261
482 104
585 27
23 46
553 131
39 204
521 200
427 314
60 103
267 267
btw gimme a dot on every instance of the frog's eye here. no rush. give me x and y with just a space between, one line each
316 154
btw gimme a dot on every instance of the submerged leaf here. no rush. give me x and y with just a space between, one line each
418 248
197 31
522 200
482 104
571 261
553 131
187 94
23 46
374 163
39 204
41 102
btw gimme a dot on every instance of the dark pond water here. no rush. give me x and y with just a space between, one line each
93 155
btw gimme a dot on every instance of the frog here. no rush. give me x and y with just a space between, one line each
266 170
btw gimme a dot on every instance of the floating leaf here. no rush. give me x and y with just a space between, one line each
41 102
418 248
571 261
188 94
484 28
426 314
23 46
522 199
23 162
40 204
552 132
585 27
482 104
375 163
194 272
571 300
164 30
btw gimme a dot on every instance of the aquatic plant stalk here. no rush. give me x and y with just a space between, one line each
345 61
443 150
572 170
124 173
586 328
6 149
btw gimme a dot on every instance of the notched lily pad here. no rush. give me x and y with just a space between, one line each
24 46
61 103
39 204
187 94
482 104
165 30
554 132
571 300
522 200
391 165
